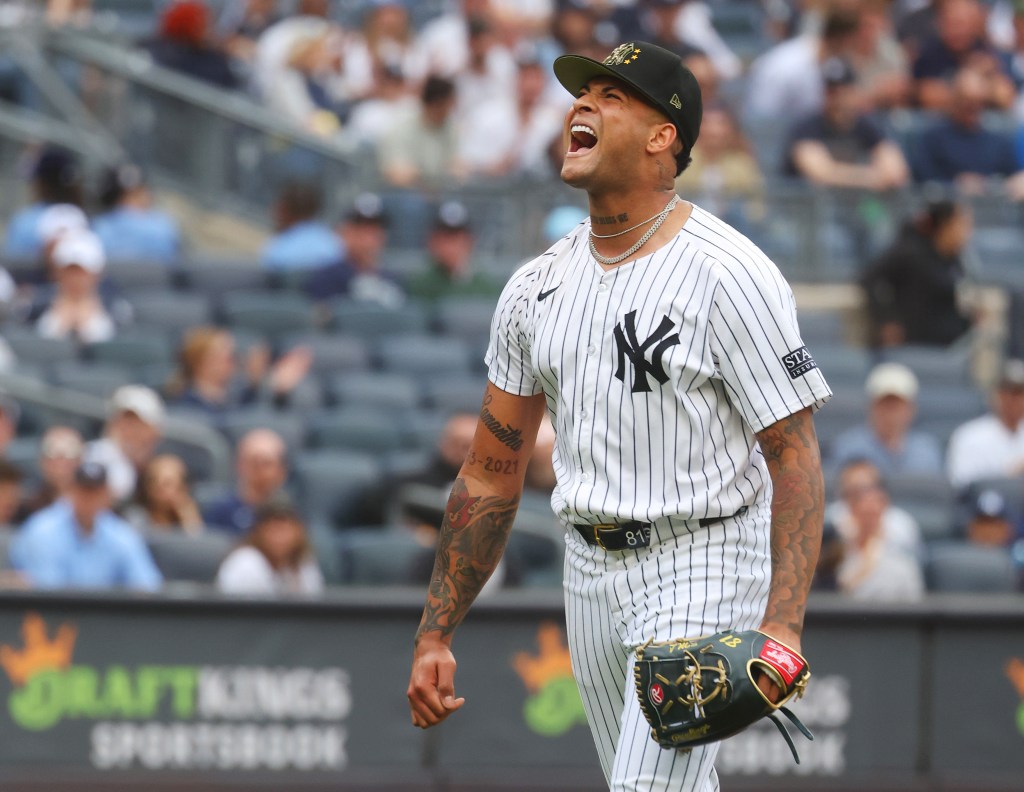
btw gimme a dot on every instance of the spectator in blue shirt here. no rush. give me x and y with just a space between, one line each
131 228
261 469
79 543
55 179
886 439
959 148
302 241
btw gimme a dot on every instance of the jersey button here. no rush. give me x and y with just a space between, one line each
583 414
602 286
584 477
591 349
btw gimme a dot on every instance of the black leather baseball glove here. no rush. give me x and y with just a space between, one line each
698 691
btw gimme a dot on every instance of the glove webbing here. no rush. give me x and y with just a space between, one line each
785 732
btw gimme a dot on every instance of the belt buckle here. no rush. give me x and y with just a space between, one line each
597 532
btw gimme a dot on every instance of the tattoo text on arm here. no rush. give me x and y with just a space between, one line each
473 537
791 450
506 434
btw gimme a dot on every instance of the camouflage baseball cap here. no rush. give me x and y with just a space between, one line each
654 72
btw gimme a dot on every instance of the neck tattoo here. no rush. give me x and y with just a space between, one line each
658 220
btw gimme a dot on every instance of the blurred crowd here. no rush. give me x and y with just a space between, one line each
866 97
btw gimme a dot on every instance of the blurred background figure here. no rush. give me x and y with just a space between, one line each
303 241
274 558
724 176
241 24
992 445
55 178
162 499
261 470
207 379
360 274
842 146
11 494
184 43
878 547
421 150
449 270
131 435
990 523
911 289
78 542
60 453
76 310
887 439
130 226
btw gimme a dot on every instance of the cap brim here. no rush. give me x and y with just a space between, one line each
575 71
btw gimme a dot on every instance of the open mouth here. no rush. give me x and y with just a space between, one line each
582 138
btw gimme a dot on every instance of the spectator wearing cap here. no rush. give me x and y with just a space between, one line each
959 41
959 149
911 288
875 551
421 150
992 445
274 558
131 434
990 523
887 438
77 310
841 146
303 241
184 44
261 470
449 271
131 228
55 179
60 453
79 543
443 45
359 275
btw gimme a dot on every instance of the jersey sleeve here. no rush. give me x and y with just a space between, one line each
508 354
767 369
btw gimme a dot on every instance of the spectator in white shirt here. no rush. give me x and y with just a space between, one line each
877 546
275 557
993 445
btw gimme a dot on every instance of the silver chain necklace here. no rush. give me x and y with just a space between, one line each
607 261
631 228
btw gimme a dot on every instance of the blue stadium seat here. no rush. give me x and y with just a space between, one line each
171 311
331 353
456 394
138 275
97 379
380 557
423 355
273 314
290 425
218 275
30 347
388 391
134 349
332 483
183 557
359 428
371 321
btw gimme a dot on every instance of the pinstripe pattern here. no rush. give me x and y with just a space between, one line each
683 451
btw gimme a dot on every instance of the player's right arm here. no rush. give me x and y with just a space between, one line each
475 530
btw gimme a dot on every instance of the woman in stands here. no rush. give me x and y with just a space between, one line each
275 557
163 501
207 366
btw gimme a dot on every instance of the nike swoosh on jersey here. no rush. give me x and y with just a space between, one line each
545 294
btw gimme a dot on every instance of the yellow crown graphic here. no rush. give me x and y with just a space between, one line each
40 653
551 662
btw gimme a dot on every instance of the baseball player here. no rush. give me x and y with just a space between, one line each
664 346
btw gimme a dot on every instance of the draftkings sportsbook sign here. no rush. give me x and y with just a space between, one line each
126 714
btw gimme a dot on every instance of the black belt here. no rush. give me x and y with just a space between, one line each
633 534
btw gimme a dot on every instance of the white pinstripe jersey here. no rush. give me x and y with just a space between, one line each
657 372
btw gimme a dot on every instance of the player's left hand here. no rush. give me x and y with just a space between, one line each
785 635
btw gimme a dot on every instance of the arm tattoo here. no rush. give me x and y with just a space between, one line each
505 433
791 451
473 537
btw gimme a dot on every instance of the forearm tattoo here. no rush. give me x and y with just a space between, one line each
791 450
473 537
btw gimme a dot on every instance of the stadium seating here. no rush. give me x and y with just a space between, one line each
960 567
185 557
379 557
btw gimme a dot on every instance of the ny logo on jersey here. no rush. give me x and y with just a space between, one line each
627 345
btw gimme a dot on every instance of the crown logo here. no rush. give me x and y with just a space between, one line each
40 653
622 55
675 102
551 662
